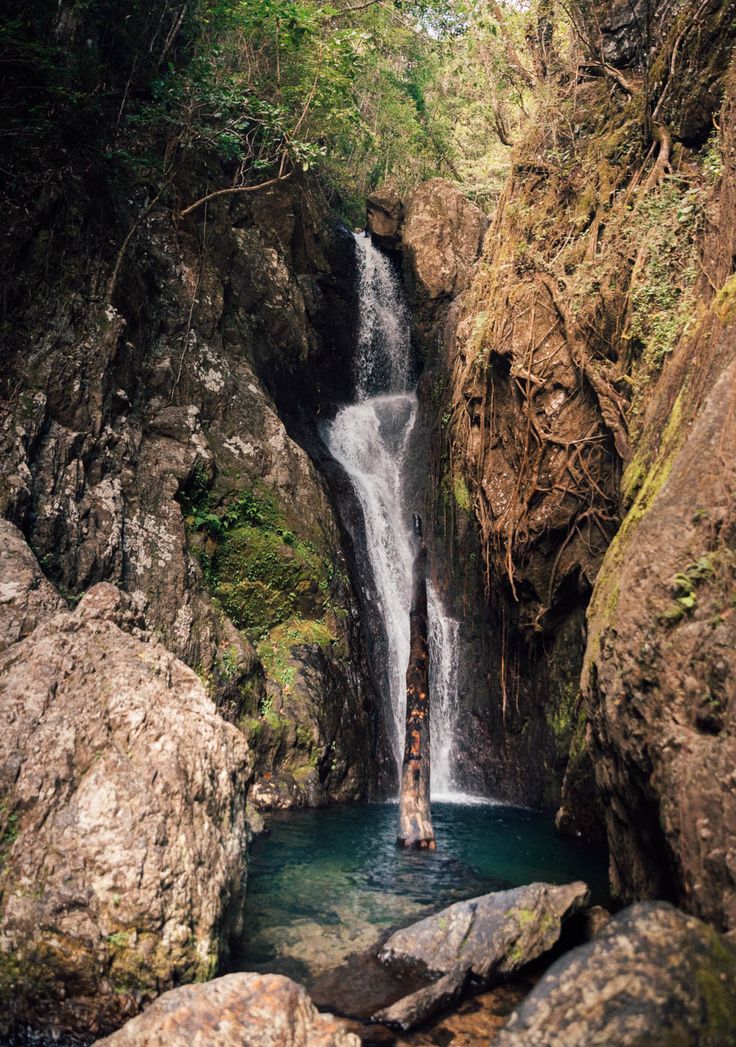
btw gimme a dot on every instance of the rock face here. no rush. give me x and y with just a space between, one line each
529 509
253 1009
652 978
147 446
122 819
661 658
491 937
384 214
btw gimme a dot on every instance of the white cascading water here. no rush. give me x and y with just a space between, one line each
370 439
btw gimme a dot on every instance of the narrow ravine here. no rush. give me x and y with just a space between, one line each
371 438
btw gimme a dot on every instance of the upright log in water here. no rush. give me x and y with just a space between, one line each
415 819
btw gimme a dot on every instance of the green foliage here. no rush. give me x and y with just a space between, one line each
684 588
713 158
661 301
461 494
10 829
275 650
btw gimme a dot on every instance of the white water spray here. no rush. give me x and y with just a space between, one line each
370 439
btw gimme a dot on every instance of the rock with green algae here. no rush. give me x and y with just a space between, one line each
653 977
122 821
258 1010
477 943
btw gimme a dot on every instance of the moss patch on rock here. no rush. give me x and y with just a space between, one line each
261 571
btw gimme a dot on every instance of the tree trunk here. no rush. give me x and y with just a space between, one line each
415 819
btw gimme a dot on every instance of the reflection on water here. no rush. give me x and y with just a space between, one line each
331 882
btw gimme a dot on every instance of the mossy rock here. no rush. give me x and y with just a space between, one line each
261 579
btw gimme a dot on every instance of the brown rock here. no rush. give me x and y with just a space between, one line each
477 944
442 239
239 1010
384 215
412 1010
123 821
26 596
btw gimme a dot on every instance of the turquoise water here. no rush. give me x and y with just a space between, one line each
329 883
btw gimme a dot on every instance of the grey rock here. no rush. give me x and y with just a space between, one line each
653 977
239 1010
422 1004
122 820
490 937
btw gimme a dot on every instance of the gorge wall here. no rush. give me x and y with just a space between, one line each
171 546
579 389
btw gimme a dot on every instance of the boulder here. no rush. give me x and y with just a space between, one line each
257 1010
491 937
122 821
653 977
442 238
384 214
26 596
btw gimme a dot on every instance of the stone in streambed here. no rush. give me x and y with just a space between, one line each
422 1004
234 1011
492 937
653 977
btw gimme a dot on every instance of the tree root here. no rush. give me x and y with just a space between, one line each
612 405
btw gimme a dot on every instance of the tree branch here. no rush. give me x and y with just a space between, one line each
233 189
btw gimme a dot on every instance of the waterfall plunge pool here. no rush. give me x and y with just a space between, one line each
330 883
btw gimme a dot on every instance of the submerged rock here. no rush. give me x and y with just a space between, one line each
478 943
418 1006
257 1010
653 977
492 936
122 821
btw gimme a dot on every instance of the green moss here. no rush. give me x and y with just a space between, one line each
715 982
261 579
461 494
562 717
275 651
118 940
725 302
261 571
524 916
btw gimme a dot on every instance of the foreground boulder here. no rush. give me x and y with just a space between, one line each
494 935
122 821
477 943
653 977
258 1010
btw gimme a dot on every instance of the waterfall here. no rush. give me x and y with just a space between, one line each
371 438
